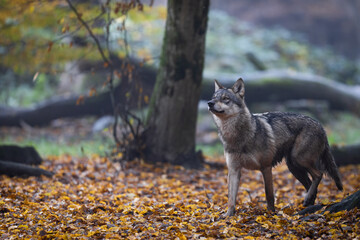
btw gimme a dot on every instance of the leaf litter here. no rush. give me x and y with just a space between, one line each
96 198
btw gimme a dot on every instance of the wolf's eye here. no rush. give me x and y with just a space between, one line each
225 99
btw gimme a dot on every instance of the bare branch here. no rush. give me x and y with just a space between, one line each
78 15
126 43
77 29
105 59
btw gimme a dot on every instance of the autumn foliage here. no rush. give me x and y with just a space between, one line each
94 197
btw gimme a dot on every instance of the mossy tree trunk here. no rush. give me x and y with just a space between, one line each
171 122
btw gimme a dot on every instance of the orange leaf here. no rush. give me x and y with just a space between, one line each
92 92
50 44
80 100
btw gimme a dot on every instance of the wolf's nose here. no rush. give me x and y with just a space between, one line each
211 103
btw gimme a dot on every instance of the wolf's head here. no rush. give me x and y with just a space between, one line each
227 102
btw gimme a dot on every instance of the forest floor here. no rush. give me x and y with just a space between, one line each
93 197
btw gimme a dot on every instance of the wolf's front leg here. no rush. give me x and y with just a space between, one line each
269 189
234 176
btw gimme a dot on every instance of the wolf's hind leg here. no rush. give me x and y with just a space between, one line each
306 154
299 173
312 192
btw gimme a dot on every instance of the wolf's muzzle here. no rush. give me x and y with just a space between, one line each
211 104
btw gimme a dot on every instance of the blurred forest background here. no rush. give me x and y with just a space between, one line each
47 56
67 67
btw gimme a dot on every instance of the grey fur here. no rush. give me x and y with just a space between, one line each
260 141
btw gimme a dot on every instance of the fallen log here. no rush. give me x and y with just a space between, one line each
125 93
350 202
264 86
15 161
12 169
346 155
43 113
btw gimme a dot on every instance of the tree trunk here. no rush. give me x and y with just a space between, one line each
171 122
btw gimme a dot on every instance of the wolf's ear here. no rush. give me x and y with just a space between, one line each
239 87
217 85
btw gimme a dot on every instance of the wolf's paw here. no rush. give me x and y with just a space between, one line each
230 212
309 201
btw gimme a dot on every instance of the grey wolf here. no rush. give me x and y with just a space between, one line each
260 141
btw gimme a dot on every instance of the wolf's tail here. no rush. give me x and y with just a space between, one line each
330 167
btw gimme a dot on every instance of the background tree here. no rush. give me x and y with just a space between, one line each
171 121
